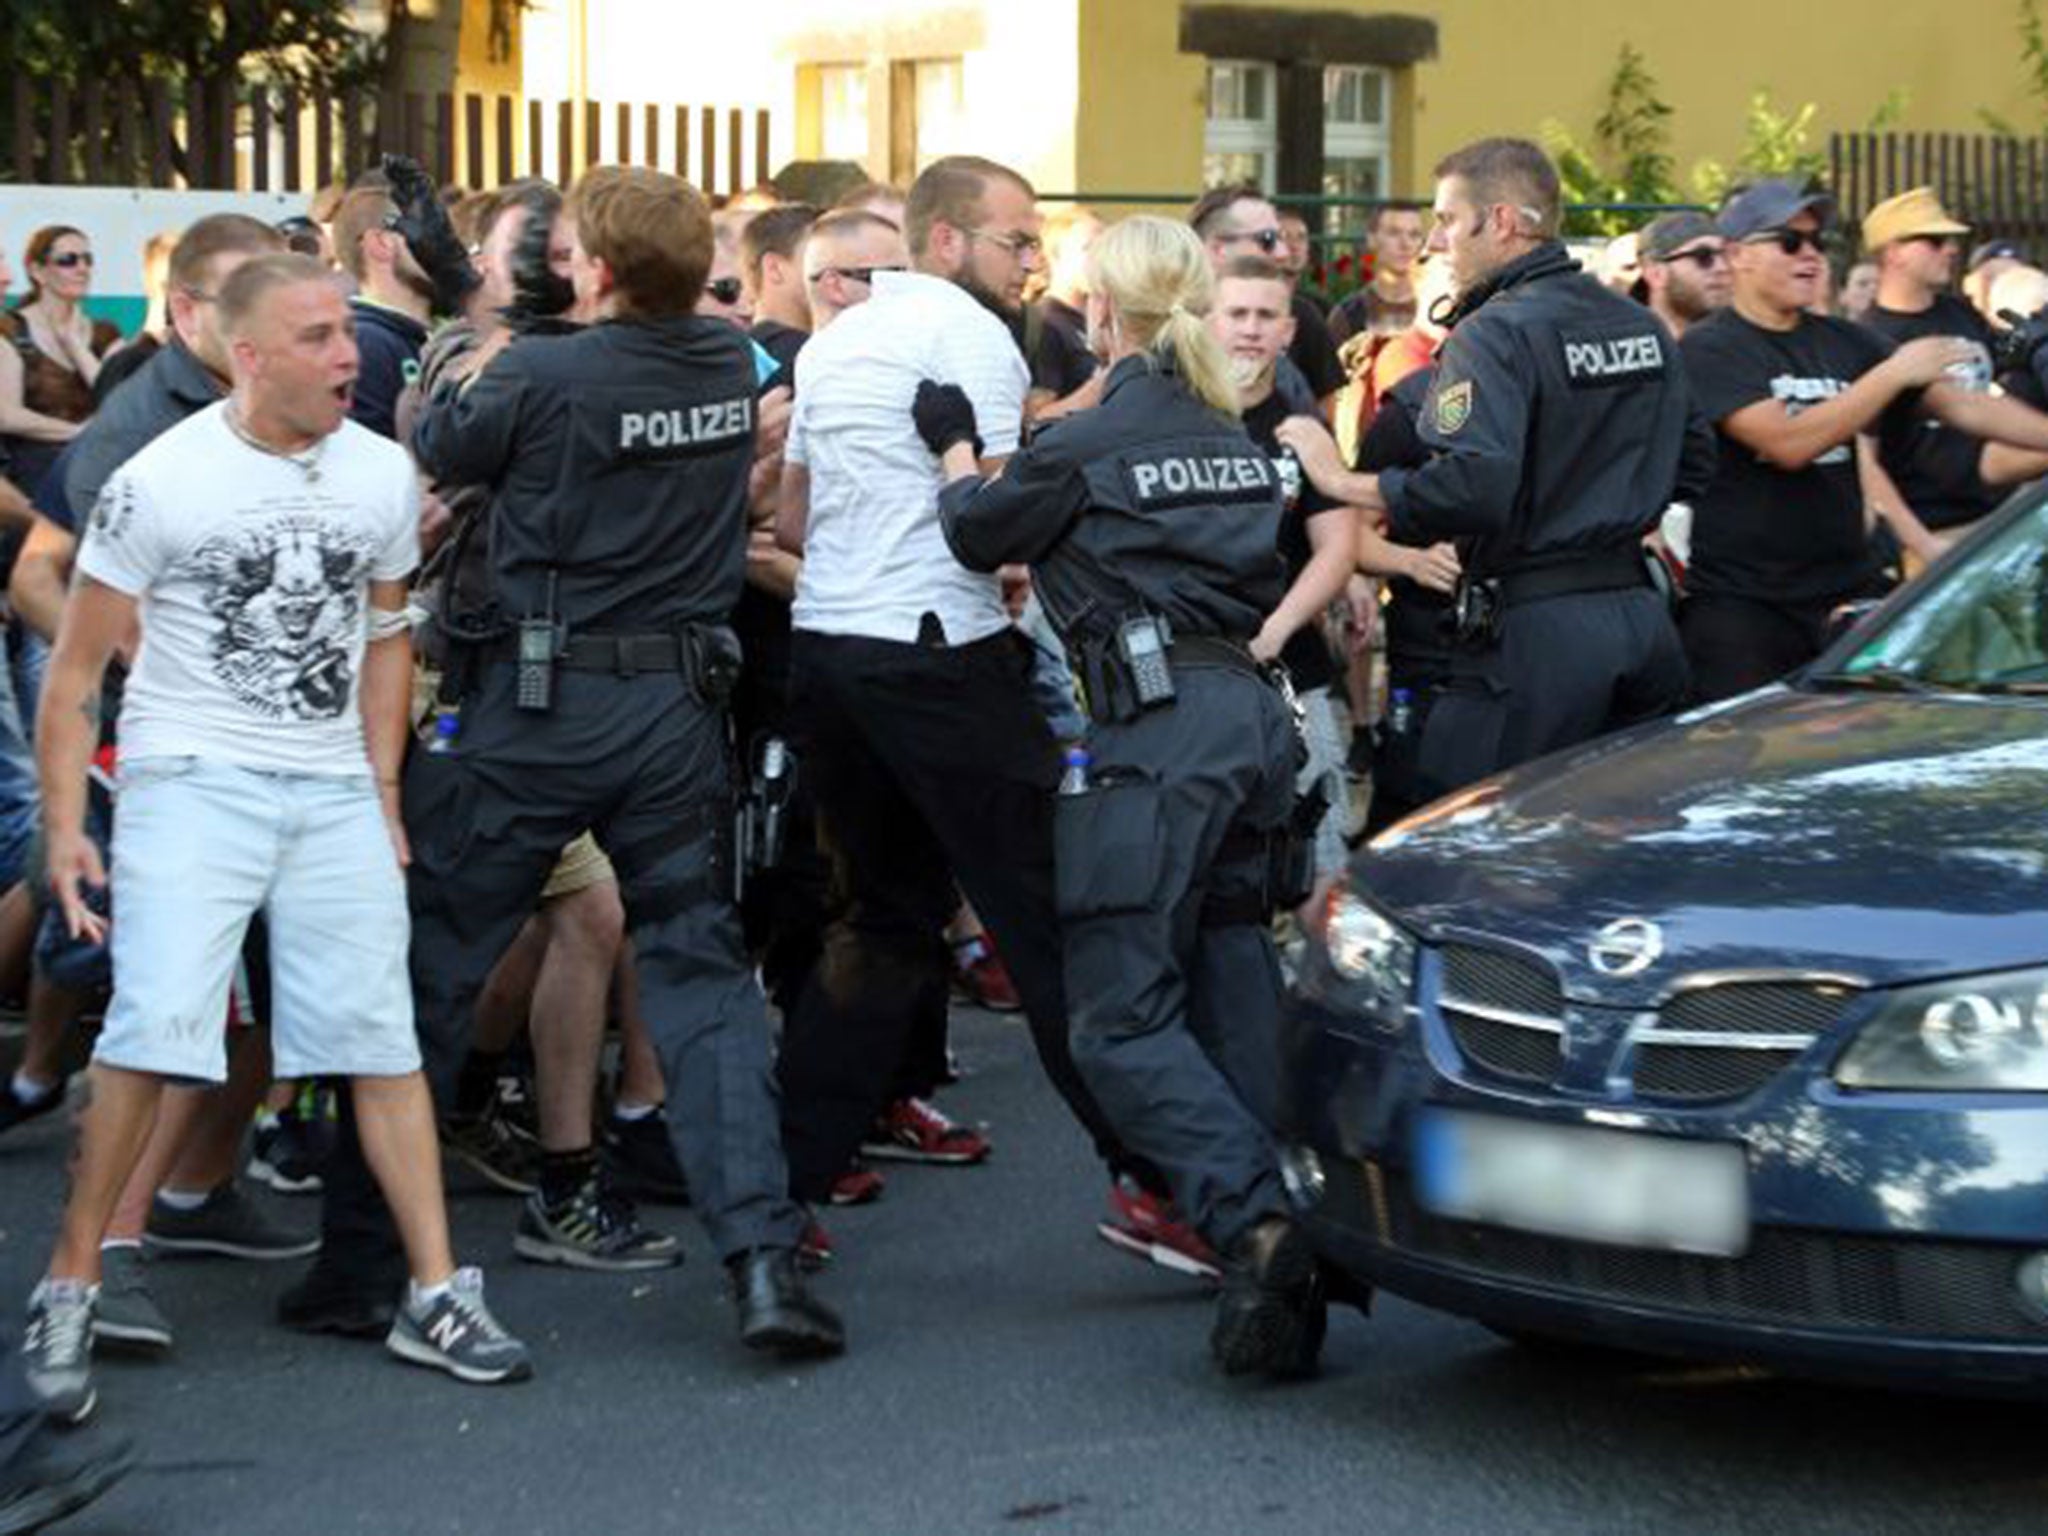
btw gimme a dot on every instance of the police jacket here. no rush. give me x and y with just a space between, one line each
1150 502
618 457
1560 421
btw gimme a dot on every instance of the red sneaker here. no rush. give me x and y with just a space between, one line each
857 1186
917 1131
814 1249
1151 1228
980 977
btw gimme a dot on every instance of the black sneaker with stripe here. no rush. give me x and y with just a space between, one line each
595 1228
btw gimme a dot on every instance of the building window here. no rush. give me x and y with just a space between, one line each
1356 147
940 89
843 112
1240 141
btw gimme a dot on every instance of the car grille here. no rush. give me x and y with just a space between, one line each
1914 1286
1726 1042
1505 1013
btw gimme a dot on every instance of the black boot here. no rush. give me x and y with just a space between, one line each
356 1303
1272 1313
777 1313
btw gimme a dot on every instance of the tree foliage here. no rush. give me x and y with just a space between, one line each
1629 158
306 43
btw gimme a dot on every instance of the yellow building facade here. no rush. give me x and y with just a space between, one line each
1159 96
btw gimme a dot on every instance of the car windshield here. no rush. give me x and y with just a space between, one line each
1981 628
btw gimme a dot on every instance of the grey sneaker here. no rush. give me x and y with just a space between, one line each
56 1348
127 1313
595 1228
456 1333
228 1224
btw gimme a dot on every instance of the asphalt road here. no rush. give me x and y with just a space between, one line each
1008 1373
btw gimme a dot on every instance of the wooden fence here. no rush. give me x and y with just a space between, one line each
1992 183
253 139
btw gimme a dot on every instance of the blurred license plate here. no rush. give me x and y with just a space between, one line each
1596 1186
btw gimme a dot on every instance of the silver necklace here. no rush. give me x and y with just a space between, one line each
307 464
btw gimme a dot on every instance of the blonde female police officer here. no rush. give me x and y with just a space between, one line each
1150 525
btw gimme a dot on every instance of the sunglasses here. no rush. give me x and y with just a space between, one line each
72 259
1790 241
726 290
1700 256
1953 241
864 275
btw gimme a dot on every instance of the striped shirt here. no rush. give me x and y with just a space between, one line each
875 560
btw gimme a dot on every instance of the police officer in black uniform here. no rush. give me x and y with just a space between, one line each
1559 425
619 457
1150 524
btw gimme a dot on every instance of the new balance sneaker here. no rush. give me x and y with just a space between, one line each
640 1160
49 1480
127 1313
56 1348
981 978
917 1131
1151 1228
289 1154
228 1224
857 1186
489 1147
1272 1313
455 1332
15 1110
595 1228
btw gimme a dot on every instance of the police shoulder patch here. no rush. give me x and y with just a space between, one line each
1454 407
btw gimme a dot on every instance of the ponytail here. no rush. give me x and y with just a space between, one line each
1155 275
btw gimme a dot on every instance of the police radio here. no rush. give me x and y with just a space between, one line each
1141 645
540 644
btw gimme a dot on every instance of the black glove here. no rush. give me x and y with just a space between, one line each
944 416
423 224
539 293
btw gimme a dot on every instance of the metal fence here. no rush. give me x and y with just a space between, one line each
1992 183
238 137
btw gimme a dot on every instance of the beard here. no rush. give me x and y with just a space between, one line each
1011 315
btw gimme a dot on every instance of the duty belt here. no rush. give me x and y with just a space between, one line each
1106 688
1208 651
601 651
1604 570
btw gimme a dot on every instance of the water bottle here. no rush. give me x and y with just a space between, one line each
1074 781
447 723
1400 712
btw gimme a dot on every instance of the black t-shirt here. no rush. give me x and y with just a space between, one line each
781 342
1314 353
1934 465
1785 536
1053 349
1417 618
1306 653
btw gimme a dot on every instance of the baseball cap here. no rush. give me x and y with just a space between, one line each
1914 212
1770 204
1995 250
1673 232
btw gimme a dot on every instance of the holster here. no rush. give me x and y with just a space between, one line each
711 661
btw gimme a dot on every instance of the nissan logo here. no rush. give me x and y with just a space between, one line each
1628 946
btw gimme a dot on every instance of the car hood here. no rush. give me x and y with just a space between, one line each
1885 838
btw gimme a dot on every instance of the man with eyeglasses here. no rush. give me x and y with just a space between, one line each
1559 427
1782 534
1685 271
926 752
1239 221
1948 478
842 254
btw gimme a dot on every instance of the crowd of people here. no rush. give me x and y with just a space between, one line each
463 630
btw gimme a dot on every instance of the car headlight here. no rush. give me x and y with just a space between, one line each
1375 958
1982 1033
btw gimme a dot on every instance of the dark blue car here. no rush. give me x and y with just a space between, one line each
1727 1036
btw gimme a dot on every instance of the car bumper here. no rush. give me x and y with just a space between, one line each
1927 1291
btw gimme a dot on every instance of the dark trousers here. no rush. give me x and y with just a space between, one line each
1735 644
1169 960
929 764
21 1412
642 763
1565 670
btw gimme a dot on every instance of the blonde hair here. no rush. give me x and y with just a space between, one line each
1155 275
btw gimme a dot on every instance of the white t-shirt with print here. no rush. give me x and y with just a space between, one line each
253 581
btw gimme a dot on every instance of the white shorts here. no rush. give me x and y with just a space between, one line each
201 847
1326 762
